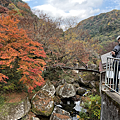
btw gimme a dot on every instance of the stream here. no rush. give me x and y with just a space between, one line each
71 106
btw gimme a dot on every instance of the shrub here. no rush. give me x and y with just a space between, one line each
93 106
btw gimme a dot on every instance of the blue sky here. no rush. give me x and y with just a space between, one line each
80 9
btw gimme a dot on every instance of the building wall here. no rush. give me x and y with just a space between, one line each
110 106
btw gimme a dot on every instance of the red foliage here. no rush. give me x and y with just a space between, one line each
16 46
24 5
3 9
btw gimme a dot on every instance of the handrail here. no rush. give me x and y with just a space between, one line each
79 69
112 77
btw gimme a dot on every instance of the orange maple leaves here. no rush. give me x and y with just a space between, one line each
15 46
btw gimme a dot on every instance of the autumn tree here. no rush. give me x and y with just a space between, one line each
5 2
64 51
62 48
107 46
19 53
41 28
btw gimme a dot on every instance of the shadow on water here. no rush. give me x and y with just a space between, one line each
73 107
43 117
68 104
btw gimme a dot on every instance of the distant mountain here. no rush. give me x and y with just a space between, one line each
5 3
103 27
16 7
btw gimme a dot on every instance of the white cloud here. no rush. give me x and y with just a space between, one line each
26 0
75 4
51 10
117 2
81 9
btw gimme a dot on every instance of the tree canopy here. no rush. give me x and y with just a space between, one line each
19 52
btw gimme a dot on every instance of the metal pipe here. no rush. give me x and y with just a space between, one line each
112 79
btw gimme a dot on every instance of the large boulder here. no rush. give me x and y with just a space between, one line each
66 90
30 116
49 88
42 103
81 91
88 82
14 111
92 84
76 85
60 114
92 66
82 82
